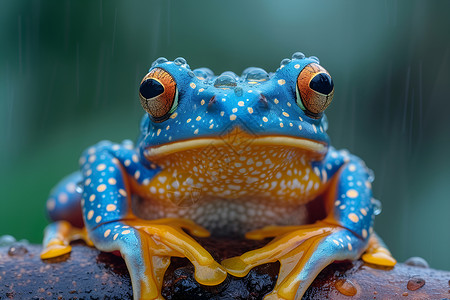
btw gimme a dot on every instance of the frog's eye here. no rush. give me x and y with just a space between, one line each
158 94
315 90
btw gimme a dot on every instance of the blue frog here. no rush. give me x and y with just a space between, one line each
223 155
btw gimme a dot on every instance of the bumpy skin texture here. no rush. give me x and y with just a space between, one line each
233 155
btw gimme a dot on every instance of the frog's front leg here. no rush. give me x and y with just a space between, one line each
303 251
146 246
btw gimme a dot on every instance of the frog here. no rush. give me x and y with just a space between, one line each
224 155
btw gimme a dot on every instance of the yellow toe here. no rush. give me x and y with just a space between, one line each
55 250
379 258
236 266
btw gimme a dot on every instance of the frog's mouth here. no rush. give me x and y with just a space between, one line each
239 141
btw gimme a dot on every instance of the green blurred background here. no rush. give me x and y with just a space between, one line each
70 71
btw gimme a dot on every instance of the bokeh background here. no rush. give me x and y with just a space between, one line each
70 71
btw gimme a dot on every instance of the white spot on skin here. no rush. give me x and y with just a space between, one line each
364 233
352 168
352 193
353 217
63 198
98 219
71 187
123 192
90 214
111 207
92 197
126 232
51 204
107 232
101 188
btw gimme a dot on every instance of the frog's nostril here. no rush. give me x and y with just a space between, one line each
263 100
151 88
212 101
322 83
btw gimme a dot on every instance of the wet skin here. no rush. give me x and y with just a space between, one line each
230 156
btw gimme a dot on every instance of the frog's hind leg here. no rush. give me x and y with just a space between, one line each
377 253
64 207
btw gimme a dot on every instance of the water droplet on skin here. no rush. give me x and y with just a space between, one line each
325 123
256 74
7 240
203 73
285 62
238 91
371 177
179 61
346 287
190 73
225 81
229 73
79 187
417 262
377 207
415 284
17 249
298 55
315 58
158 61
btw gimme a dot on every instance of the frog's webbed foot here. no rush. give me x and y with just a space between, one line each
303 251
57 238
377 253
147 245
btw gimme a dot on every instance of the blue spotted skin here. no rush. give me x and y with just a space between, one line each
261 108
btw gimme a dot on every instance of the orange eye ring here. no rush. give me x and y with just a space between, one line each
315 90
158 94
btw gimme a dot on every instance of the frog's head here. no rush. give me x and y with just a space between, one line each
193 110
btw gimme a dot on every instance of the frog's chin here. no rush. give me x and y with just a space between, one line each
314 149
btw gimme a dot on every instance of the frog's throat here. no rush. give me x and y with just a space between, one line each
238 138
